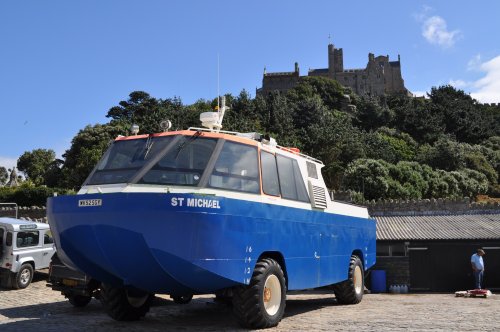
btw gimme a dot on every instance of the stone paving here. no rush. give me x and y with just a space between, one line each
38 308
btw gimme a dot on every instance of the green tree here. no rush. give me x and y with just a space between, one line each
415 117
410 176
445 154
335 142
4 175
369 176
462 116
35 164
373 113
329 91
148 112
470 182
86 149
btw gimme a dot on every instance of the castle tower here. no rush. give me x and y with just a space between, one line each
335 61
338 54
331 61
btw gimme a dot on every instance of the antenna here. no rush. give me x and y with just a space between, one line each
218 80
213 120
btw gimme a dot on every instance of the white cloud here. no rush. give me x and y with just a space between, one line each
419 93
487 88
435 31
426 10
474 63
8 162
460 84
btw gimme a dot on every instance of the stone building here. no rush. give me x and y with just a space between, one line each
380 76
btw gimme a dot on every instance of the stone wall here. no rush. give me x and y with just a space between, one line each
397 269
421 207
33 213
430 207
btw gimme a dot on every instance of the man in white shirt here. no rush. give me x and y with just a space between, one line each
478 268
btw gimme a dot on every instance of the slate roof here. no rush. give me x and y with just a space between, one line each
443 227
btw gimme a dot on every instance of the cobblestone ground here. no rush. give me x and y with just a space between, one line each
38 308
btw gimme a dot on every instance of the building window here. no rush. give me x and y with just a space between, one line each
392 249
383 249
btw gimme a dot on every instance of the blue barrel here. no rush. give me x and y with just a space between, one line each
378 281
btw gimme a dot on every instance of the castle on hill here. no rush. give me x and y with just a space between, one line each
380 76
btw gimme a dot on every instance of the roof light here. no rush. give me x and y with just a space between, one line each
134 129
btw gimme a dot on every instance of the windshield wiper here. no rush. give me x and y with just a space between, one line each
187 142
149 145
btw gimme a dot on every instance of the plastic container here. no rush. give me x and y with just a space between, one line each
379 281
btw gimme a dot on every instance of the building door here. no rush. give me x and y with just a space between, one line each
420 277
492 267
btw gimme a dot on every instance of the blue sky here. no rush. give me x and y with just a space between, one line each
63 64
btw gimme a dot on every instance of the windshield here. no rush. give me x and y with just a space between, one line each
183 164
126 157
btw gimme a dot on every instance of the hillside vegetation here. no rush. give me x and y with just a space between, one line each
445 145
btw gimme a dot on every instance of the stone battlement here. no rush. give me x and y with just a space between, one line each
430 207
33 213
422 207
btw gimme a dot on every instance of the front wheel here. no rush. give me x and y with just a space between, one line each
123 304
262 303
351 290
23 277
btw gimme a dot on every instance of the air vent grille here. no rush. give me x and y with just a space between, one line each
318 197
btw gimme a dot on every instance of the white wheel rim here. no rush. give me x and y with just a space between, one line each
25 276
137 302
358 280
272 295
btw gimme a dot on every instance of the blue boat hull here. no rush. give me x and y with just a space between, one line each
186 243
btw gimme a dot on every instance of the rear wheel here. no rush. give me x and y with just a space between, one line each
23 277
79 301
125 304
351 290
262 303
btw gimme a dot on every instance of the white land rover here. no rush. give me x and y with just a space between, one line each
24 247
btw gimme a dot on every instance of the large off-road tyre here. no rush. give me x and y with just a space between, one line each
182 299
79 301
125 305
351 290
23 277
262 303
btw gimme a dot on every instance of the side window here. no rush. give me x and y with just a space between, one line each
291 181
47 238
8 239
1 236
311 170
270 183
236 168
27 239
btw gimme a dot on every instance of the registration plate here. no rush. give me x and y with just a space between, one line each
90 202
